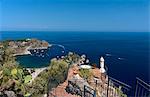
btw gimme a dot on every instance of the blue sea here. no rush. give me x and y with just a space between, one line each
126 53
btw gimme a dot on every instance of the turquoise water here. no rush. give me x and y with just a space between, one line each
126 54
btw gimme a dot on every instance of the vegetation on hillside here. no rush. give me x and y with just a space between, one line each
12 76
15 80
86 73
55 74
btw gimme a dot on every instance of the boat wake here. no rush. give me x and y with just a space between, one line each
108 55
120 58
59 45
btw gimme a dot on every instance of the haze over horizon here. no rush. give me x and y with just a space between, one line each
75 15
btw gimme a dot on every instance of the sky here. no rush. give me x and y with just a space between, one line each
75 15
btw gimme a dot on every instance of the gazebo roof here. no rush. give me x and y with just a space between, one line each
85 66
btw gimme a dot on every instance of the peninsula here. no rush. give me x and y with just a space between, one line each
23 47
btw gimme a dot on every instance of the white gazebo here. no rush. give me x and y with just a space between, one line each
85 67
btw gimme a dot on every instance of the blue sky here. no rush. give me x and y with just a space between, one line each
75 15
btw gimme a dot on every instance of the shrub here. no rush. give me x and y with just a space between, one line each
86 73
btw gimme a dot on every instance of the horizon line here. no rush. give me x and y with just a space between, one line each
65 31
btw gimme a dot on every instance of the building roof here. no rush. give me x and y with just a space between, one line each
85 67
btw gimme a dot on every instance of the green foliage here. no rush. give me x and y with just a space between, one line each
27 95
1 75
71 58
119 91
14 71
12 76
38 87
6 72
85 73
57 70
27 79
5 44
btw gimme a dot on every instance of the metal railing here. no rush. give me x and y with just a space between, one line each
89 92
116 88
85 91
74 89
142 88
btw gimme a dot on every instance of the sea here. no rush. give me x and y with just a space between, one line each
126 54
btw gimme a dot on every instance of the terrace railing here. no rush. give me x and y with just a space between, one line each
75 89
89 92
142 88
116 88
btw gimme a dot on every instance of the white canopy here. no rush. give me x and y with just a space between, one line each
85 67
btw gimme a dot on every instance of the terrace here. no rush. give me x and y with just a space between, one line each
99 85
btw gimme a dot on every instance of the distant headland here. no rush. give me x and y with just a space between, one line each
23 46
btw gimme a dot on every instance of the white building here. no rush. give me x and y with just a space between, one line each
102 65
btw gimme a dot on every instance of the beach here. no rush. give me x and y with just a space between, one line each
36 72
